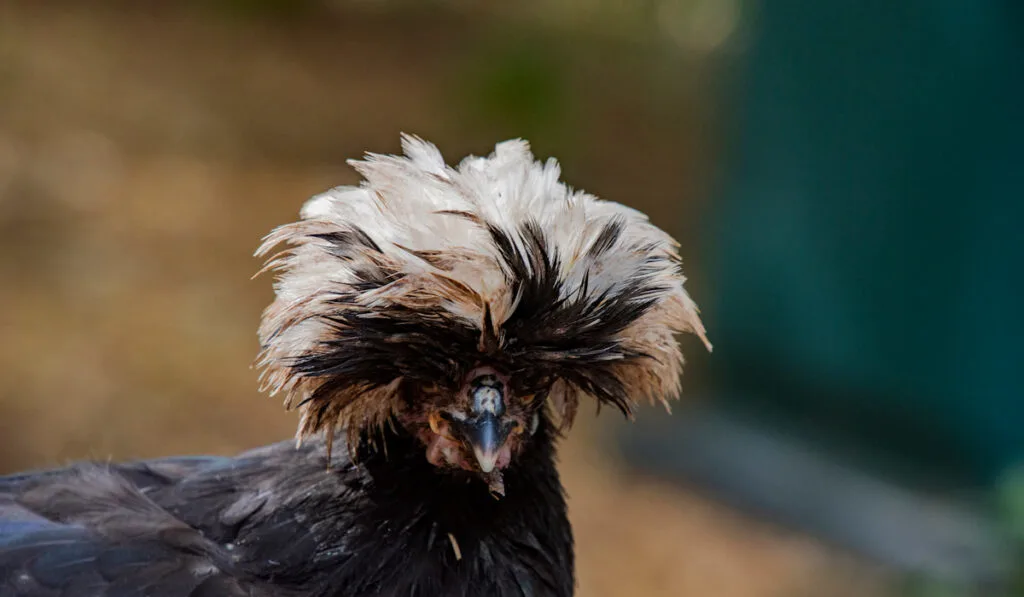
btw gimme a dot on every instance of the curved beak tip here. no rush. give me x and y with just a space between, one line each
486 460
486 436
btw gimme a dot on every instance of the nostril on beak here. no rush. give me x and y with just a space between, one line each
487 395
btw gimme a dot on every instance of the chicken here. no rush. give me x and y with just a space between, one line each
437 328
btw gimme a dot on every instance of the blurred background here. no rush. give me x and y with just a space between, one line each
846 180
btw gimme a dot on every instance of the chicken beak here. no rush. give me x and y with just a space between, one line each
486 436
485 428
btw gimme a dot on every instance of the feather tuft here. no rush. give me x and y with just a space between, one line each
424 269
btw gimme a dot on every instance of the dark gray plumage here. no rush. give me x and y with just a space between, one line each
276 521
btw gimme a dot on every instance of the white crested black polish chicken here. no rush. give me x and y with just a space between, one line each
437 328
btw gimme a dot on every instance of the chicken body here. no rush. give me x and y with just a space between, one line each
276 521
444 324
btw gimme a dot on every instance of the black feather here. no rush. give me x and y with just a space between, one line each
551 333
276 521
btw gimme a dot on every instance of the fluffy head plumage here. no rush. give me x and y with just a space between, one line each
423 271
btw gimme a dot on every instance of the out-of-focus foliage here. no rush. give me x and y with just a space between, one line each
1010 521
691 25
1011 497
266 8
699 26
517 85
1011 494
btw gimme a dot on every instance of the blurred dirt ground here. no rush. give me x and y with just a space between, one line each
144 153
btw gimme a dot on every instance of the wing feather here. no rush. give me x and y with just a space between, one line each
95 530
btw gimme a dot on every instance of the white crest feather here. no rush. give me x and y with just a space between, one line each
430 227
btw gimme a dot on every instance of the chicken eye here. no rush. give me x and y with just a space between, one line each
534 423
